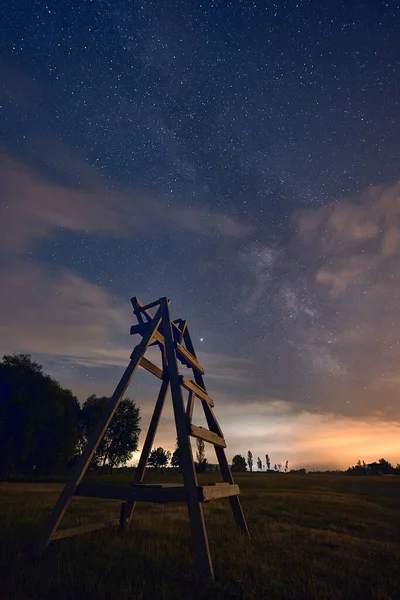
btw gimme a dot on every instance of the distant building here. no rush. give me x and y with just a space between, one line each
374 469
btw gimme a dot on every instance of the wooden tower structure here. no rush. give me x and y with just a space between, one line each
174 341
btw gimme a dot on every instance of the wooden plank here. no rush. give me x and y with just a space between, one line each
191 386
151 367
187 356
182 326
220 452
195 509
140 308
190 406
97 435
151 432
104 490
141 329
134 493
87 528
221 490
208 436
151 305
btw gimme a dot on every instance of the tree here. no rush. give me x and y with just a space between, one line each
238 463
286 466
279 467
176 457
268 462
121 438
250 460
259 464
38 419
159 458
275 468
200 456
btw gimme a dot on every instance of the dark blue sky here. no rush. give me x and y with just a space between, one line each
241 158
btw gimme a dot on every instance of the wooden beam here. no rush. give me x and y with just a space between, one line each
182 326
88 528
190 407
104 490
219 490
139 307
140 492
208 436
195 509
187 356
220 452
97 434
142 328
144 456
151 367
191 386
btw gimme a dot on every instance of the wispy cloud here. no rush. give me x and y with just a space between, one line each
35 207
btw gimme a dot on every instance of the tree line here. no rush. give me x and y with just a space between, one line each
43 428
241 464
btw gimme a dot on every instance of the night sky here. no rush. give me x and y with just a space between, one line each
241 158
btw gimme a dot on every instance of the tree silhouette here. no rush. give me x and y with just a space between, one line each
200 456
176 457
238 463
38 419
286 466
259 464
268 462
159 458
250 460
121 438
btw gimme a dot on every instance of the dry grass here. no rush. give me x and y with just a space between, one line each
313 537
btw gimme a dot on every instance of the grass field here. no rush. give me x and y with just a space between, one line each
313 537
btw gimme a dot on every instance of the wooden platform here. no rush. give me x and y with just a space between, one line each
155 492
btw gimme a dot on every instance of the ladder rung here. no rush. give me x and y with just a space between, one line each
136 492
191 386
218 490
188 357
141 328
208 436
151 367
87 528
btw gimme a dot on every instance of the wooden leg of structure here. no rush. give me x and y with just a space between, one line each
220 452
144 456
97 435
196 518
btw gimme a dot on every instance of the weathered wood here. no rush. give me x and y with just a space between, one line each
147 306
142 328
195 509
151 432
104 490
208 436
221 490
97 435
135 492
87 528
151 367
181 324
187 356
220 452
191 386
190 407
